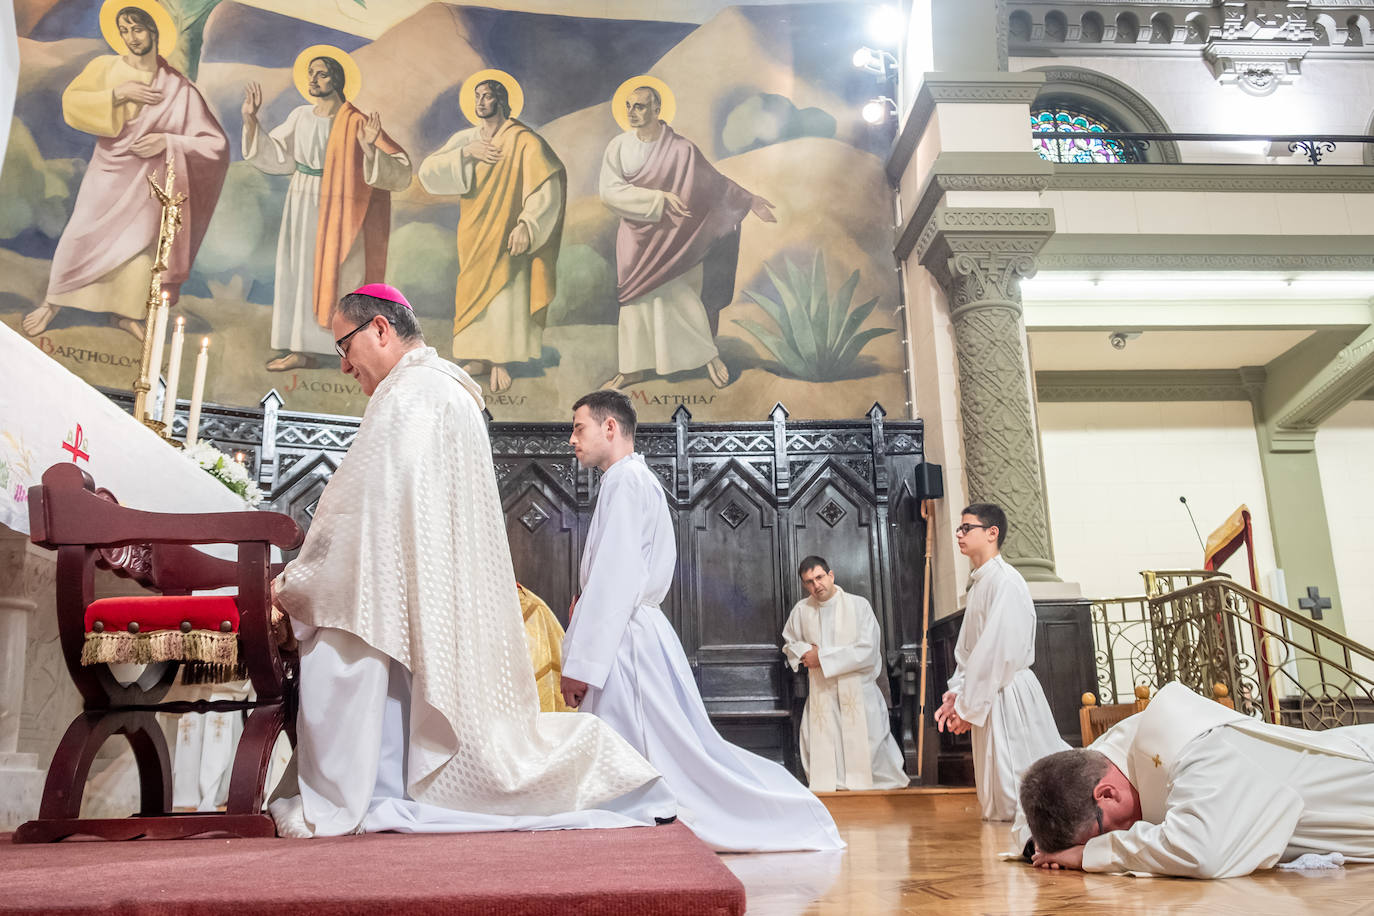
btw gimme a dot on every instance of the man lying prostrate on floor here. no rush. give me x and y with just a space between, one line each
1192 788
418 708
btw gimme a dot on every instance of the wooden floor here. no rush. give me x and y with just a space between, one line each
931 854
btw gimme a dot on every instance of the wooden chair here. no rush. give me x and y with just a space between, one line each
1093 720
88 528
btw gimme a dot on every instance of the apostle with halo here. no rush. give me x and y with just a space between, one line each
623 661
418 711
846 741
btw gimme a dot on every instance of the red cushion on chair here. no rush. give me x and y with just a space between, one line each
164 612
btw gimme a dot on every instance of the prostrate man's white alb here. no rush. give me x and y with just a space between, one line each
997 693
846 741
1222 794
639 681
407 573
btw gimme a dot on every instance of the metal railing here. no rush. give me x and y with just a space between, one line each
1203 629
1131 145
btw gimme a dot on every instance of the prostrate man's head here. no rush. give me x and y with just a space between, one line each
325 78
374 327
139 31
603 428
982 531
1072 796
817 578
643 106
492 100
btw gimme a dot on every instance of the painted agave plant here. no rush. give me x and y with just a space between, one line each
818 337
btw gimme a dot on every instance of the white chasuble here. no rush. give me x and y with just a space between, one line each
996 692
639 680
845 739
405 581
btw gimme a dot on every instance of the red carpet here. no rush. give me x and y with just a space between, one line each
635 871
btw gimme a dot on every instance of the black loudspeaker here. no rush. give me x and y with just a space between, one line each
930 481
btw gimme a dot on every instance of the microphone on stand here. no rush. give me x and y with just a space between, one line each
1184 500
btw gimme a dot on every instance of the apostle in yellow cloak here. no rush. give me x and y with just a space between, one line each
512 191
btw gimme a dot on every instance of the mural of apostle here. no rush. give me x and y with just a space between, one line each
512 190
142 112
678 241
337 220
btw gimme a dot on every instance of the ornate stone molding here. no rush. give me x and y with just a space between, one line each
936 88
1053 386
1139 251
1258 67
1268 179
1341 381
952 231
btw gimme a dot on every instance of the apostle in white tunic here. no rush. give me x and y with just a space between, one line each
337 220
510 224
676 248
623 661
1192 788
846 741
418 706
993 692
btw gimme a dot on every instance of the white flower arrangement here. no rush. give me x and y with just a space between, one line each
227 471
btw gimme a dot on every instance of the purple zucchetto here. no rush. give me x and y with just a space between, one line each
383 291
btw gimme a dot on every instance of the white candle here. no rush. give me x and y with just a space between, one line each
197 391
159 332
169 401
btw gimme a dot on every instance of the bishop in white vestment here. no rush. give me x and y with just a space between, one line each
418 709
623 661
993 692
846 741
1192 788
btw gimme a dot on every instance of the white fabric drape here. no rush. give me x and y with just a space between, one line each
996 692
407 551
846 742
641 683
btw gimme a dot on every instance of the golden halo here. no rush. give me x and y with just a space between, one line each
469 104
353 77
667 113
166 29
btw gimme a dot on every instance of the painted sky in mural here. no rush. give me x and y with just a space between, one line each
686 204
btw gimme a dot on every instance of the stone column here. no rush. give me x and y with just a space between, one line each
21 781
979 257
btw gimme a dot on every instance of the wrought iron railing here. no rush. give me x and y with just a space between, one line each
1132 145
1124 647
1278 665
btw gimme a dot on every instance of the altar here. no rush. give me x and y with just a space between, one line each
49 415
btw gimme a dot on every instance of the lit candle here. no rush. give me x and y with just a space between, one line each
197 391
169 402
238 457
159 332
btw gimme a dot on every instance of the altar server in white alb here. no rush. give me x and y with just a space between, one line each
623 661
993 692
846 741
418 709
1192 788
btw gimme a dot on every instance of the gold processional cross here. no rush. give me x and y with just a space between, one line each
171 222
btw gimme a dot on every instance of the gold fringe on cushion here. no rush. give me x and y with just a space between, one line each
218 651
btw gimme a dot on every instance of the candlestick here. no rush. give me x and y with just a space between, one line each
197 391
169 402
159 332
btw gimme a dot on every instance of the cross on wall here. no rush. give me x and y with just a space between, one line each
1314 602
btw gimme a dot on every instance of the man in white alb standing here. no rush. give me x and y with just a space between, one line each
846 742
623 662
993 692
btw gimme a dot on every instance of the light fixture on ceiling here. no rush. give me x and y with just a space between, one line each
876 111
1118 339
874 60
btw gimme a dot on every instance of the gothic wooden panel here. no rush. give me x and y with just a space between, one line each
541 525
833 519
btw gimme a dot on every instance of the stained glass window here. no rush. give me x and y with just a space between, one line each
1078 149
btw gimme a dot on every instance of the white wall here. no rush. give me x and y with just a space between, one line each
1115 471
1345 458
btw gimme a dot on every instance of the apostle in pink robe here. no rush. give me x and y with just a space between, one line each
677 246
143 113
